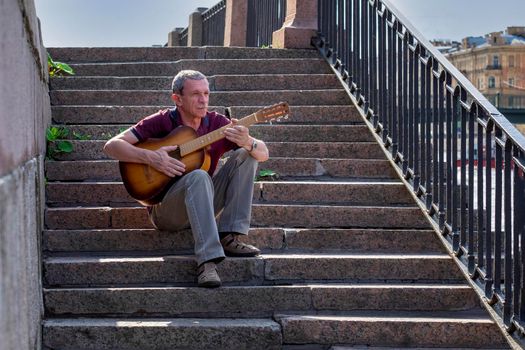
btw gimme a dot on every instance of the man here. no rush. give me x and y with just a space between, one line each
198 197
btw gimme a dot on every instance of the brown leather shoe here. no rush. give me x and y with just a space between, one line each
233 247
208 276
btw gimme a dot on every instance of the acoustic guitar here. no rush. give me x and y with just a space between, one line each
148 185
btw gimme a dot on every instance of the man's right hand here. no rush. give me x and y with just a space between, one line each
163 162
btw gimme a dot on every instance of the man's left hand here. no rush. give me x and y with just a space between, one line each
238 134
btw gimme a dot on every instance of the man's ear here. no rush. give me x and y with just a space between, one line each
176 99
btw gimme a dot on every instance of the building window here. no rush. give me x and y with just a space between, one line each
492 82
511 101
511 61
481 83
495 61
511 82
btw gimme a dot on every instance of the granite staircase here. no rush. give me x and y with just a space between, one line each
349 260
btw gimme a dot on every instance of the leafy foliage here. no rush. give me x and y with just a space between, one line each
57 69
266 174
81 136
55 141
54 133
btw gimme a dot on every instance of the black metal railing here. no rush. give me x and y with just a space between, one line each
461 156
264 17
213 23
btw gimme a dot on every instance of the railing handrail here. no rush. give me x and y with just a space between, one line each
437 128
213 10
213 24
499 119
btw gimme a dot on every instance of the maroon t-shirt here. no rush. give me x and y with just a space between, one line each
164 121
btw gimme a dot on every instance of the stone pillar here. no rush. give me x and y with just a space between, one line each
174 37
195 27
299 26
236 23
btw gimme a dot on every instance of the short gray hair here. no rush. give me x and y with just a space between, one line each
178 82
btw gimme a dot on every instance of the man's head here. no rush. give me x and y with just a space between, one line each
177 85
191 93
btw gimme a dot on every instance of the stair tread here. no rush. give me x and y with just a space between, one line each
209 76
71 91
298 285
303 205
94 258
397 316
254 229
234 60
460 316
291 182
155 322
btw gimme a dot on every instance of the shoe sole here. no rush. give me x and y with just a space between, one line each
241 255
210 284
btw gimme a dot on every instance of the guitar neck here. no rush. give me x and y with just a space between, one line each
216 135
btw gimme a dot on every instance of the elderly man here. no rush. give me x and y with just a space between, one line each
195 199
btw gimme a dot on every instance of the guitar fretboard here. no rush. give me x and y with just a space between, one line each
216 135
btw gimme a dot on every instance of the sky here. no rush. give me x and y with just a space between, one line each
81 23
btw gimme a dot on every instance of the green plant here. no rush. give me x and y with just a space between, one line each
57 69
106 135
266 174
55 142
80 136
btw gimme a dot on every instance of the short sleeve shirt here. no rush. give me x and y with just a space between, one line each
160 124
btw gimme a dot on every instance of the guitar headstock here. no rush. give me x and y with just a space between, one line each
273 113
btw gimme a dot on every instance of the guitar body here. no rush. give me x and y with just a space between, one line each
148 185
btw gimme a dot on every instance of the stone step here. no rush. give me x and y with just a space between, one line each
268 133
402 329
268 239
217 98
323 216
207 67
156 334
345 193
179 270
348 193
217 82
92 150
132 114
159 54
108 170
256 301
263 215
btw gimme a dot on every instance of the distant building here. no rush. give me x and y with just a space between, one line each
495 64
446 46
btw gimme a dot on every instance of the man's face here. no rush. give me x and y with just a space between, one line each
193 102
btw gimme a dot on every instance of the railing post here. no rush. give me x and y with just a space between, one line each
195 27
174 37
299 27
236 23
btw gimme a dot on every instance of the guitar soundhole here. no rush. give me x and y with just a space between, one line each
175 154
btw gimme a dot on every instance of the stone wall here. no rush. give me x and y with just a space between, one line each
24 116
